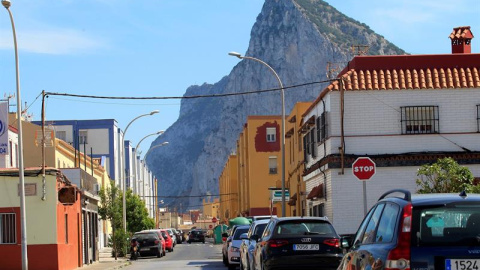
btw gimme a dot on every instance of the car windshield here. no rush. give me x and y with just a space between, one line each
238 232
305 227
164 235
196 232
453 224
259 229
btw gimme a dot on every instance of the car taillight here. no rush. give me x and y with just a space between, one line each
334 242
274 243
399 257
157 241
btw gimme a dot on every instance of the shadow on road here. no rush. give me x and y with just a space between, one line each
207 264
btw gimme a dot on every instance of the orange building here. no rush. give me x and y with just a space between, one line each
259 164
211 208
294 160
228 188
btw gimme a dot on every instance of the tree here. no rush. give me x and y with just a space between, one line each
445 176
137 214
111 209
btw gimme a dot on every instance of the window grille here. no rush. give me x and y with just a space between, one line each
7 228
271 132
321 125
420 119
312 143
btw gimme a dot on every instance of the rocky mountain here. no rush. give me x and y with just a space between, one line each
297 38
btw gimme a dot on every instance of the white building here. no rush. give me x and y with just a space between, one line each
10 159
400 111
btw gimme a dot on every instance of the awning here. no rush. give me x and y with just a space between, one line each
316 193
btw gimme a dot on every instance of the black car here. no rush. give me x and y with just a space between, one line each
196 236
149 243
429 231
298 243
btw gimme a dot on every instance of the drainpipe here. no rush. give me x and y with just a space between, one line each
342 115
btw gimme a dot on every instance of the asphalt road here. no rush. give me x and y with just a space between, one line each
185 256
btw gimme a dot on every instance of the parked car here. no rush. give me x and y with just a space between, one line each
172 235
248 244
298 243
196 236
429 231
228 239
253 218
178 236
161 238
233 250
168 240
149 243
182 235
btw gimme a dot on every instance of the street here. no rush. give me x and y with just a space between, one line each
185 256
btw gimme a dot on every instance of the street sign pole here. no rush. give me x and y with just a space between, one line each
364 168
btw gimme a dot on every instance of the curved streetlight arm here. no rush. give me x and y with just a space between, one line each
236 54
151 148
155 133
147 114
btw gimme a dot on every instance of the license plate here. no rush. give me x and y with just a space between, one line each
462 264
145 249
306 247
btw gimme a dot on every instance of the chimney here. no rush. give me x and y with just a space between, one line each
461 39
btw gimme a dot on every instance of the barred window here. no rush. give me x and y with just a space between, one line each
312 143
420 119
321 124
7 228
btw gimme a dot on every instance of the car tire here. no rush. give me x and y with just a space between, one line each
159 254
189 242
203 242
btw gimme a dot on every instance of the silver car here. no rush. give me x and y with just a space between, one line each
248 243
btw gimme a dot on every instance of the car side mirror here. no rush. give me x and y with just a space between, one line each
244 236
254 237
229 239
346 242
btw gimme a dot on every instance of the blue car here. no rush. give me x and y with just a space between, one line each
249 240
429 231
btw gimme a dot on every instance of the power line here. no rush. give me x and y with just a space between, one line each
191 196
188 97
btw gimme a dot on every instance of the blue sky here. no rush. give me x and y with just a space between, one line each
161 47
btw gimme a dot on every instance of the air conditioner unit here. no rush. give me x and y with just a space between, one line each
96 188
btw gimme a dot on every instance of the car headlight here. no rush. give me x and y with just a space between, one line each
234 249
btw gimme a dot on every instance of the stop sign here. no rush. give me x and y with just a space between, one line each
214 220
363 168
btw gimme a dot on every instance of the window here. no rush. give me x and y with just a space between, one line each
61 134
312 143
388 221
11 153
420 119
478 118
82 134
369 235
66 228
272 165
321 126
7 228
271 134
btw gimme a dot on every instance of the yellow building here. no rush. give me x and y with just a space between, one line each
228 188
259 164
211 208
294 160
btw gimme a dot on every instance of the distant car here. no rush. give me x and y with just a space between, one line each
178 236
249 241
160 237
253 218
196 236
228 239
428 231
149 243
172 235
298 243
182 235
168 240
233 251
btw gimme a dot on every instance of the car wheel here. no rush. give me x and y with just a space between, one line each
189 242
159 254
241 265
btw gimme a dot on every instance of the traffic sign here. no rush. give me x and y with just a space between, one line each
363 168
214 220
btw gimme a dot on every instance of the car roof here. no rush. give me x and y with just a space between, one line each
260 221
434 198
300 218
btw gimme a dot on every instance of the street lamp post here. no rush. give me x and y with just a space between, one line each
21 171
135 157
122 150
236 54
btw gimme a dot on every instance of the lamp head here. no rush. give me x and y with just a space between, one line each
6 3
154 112
164 143
160 132
236 54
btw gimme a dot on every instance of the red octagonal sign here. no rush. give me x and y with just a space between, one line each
363 168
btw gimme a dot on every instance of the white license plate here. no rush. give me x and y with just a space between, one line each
306 247
145 249
462 264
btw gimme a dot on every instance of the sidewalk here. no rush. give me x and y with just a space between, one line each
106 262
